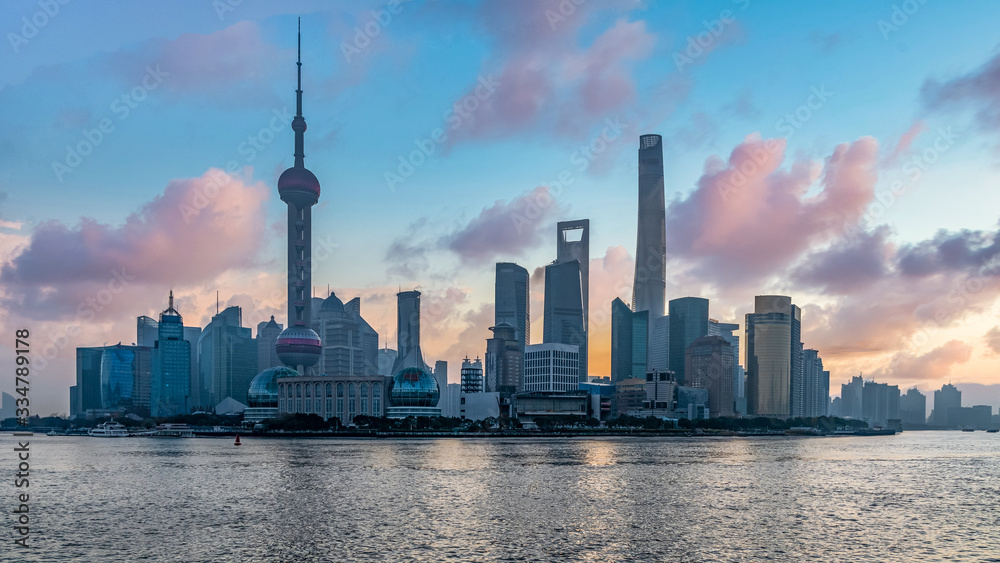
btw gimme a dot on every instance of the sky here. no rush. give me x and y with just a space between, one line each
840 153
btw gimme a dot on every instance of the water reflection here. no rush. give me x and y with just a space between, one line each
927 496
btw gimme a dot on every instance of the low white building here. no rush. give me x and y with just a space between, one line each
551 367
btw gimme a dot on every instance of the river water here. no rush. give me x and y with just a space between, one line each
917 496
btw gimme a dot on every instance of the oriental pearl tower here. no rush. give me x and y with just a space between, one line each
298 346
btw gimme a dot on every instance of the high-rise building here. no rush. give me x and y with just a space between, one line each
350 344
512 300
816 385
117 376
170 388
504 361
551 367
649 285
227 358
879 403
267 338
573 243
86 394
146 331
688 322
472 376
298 346
913 407
851 398
563 322
708 364
386 359
408 331
774 354
640 343
658 345
441 375
946 398
621 341
726 331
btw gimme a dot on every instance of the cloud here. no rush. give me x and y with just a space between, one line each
992 339
505 229
976 89
848 265
934 365
748 218
905 142
546 81
238 70
195 230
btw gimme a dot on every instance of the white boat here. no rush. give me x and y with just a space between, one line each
173 430
109 430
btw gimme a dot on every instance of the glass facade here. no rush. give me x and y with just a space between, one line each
413 387
171 379
688 322
117 376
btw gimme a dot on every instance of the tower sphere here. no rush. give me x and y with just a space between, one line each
299 186
299 346
413 387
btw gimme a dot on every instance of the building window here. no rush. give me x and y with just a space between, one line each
329 407
318 405
351 398
329 389
309 391
298 389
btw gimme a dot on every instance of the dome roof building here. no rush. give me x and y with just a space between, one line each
413 392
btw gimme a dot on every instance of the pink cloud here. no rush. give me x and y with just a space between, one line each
505 229
195 230
905 142
750 218
936 364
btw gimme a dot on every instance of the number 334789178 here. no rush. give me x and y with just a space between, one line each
21 373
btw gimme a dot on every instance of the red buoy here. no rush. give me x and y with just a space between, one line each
237 440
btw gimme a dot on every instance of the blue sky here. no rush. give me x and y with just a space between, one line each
225 73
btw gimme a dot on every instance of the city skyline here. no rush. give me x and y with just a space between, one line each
881 291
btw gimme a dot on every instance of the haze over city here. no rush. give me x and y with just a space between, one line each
841 156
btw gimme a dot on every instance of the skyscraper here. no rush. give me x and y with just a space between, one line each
227 358
298 346
563 322
688 322
726 331
504 361
146 330
621 341
913 407
774 353
708 364
350 345
946 398
512 300
267 338
408 331
86 394
573 243
850 398
816 385
170 390
649 285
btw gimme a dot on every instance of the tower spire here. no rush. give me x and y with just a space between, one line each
299 123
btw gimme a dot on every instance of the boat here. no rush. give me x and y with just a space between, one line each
968 430
51 433
109 430
992 431
173 430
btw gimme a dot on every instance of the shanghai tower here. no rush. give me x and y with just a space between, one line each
649 287
298 346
